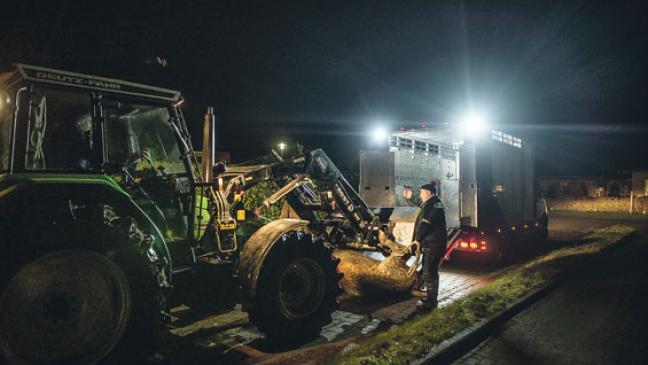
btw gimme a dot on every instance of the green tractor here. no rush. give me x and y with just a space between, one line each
107 220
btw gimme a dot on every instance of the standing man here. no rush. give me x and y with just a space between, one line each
431 235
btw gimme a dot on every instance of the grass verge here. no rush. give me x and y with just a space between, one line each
602 215
413 340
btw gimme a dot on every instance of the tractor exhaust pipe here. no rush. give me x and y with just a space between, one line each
208 150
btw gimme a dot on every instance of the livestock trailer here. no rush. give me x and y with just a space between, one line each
486 183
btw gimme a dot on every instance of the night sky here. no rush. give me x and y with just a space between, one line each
570 75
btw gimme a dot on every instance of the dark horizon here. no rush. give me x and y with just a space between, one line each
570 77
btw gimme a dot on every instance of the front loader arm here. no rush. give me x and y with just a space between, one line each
366 225
296 175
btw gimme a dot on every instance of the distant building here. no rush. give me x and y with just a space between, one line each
640 183
584 187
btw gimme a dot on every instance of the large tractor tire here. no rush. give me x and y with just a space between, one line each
93 298
297 290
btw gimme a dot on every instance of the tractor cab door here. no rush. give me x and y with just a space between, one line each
56 132
138 135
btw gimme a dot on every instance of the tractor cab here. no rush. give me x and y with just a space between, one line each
102 202
71 126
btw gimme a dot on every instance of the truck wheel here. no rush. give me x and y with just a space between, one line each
543 233
298 287
80 305
502 253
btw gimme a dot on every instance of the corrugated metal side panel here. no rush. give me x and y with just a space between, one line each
512 181
529 209
468 188
377 186
516 171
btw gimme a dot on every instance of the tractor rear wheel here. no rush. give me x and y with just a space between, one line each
91 295
70 307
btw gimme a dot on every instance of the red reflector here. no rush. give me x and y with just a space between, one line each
473 245
463 244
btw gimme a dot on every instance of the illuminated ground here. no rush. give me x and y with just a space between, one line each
230 338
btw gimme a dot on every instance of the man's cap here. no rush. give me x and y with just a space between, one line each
431 187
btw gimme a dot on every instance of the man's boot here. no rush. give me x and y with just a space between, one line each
430 300
425 305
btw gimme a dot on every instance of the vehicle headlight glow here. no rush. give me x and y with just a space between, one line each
473 124
379 134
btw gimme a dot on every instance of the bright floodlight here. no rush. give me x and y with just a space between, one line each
473 124
379 134
282 146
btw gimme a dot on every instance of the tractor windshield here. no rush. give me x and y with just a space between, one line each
141 136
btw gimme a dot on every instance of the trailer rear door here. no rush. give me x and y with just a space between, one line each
513 177
377 179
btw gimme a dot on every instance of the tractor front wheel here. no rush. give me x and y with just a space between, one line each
297 290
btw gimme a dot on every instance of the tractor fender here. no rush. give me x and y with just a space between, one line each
27 206
256 250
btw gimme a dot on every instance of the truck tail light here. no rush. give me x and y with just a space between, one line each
471 244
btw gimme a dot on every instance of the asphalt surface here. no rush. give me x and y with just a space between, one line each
229 338
598 316
566 228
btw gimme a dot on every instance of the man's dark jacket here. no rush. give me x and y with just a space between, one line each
430 226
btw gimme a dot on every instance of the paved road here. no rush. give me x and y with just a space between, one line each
564 228
230 338
597 317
